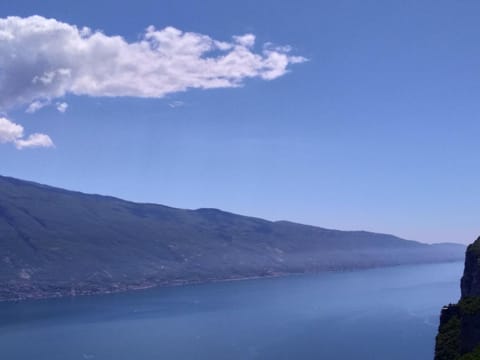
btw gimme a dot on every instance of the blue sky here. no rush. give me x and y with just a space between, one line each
378 130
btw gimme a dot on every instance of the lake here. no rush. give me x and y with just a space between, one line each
388 313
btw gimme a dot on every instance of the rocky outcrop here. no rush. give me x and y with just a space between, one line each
470 283
459 331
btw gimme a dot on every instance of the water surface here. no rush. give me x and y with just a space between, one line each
389 313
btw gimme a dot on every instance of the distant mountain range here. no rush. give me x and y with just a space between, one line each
55 242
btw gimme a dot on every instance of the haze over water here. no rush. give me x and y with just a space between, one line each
389 313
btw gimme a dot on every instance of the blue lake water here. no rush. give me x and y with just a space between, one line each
389 313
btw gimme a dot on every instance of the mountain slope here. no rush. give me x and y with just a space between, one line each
55 242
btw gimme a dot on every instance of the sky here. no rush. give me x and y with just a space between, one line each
343 114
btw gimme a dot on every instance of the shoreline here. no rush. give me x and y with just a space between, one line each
75 293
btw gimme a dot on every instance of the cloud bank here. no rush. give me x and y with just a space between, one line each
14 133
43 59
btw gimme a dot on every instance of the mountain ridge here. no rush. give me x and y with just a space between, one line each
213 209
56 242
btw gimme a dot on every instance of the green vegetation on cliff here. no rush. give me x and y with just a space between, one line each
474 355
469 305
448 340
459 331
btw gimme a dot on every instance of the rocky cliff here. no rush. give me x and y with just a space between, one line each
459 331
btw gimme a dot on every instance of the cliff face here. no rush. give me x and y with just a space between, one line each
471 277
459 331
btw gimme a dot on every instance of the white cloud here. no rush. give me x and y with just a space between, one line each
176 104
36 105
62 106
33 141
9 131
44 59
40 104
14 133
247 40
